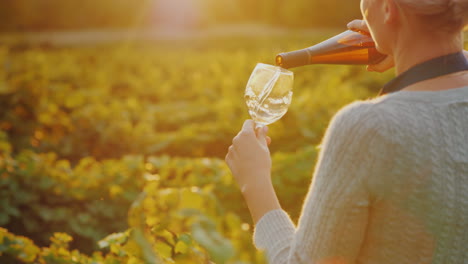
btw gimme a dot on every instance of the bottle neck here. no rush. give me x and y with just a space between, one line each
346 48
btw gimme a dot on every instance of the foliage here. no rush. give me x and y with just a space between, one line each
79 111
121 147
41 194
182 198
14 247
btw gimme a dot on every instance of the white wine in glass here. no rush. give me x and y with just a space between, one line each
268 93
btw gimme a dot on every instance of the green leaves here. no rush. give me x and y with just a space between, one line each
204 231
181 215
85 130
19 247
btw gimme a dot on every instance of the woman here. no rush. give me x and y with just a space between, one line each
391 182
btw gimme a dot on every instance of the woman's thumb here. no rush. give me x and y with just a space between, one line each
262 134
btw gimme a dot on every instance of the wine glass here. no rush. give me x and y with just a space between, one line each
268 93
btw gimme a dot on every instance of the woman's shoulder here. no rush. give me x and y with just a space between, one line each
369 113
357 121
379 106
397 117
379 116
382 111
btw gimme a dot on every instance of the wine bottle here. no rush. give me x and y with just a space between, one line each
349 47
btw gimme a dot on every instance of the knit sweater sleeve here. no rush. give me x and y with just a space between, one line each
333 222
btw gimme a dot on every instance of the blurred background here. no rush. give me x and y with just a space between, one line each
116 115
57 15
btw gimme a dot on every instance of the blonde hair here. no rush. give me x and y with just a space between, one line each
451 15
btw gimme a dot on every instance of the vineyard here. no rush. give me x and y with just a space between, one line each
114 153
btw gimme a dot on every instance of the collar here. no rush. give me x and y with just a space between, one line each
433 68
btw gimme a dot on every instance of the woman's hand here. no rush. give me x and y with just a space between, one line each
250 164
249 157
388 63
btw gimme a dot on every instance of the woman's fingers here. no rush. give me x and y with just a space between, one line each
230 156
248 157
388 63
247 138
231 149
249 126
227 158
358 25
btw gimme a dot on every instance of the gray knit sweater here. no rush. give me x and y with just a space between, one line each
390 186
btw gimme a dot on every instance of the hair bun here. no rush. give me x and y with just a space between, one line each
460 10
450 15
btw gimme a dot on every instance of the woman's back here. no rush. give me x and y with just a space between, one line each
419 208
391 180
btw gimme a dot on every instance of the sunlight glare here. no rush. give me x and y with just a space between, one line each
178 14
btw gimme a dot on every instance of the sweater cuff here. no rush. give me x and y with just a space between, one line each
273 229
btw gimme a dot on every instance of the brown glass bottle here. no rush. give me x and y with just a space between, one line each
349 47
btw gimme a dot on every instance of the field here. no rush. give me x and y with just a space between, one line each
114 153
